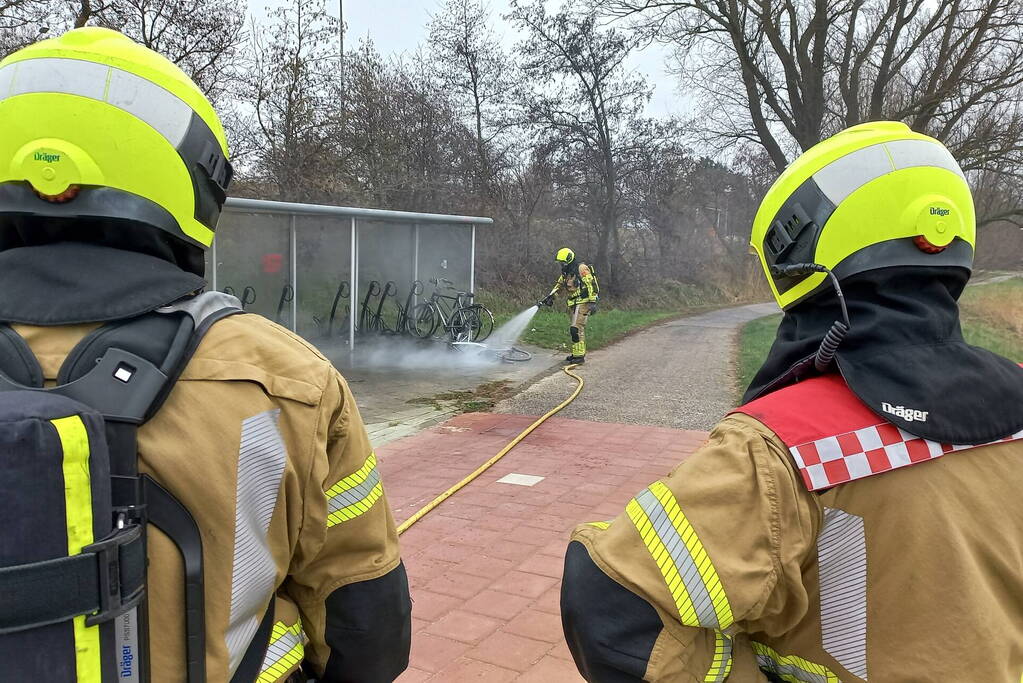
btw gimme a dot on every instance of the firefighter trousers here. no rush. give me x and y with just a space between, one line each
578 315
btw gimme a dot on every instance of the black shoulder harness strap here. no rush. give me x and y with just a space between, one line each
126 370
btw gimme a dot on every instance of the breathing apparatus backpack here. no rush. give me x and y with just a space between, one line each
596 282
76 508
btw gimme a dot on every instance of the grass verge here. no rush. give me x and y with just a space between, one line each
615 318
549 328
755 341
991 316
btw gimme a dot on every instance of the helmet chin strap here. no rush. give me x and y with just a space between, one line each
833 339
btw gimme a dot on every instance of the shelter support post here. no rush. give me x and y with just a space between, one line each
354 289
293 230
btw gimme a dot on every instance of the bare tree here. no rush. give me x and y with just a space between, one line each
698 209
294 99
404 145
582 98
467 61
786 74
522 193
22 22
204 39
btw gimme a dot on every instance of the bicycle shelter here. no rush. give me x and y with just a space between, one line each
305 265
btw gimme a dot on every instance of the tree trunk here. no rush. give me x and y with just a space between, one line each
84 13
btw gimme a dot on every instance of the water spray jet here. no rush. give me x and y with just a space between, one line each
501 346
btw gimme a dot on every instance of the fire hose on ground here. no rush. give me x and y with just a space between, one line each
426 509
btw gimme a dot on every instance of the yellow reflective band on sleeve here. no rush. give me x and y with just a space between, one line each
599 525
355 494
792 668
74 441
285 652
676 549
721 665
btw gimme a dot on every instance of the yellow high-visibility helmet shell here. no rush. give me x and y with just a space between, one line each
861 200
95 110
565 255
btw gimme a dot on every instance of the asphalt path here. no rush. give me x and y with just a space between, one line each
678 374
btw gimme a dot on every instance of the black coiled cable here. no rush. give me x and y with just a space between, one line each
833 339
828 348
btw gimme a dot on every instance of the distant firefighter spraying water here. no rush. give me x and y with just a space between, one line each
579 282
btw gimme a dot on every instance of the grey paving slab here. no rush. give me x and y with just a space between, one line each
386 374
679 374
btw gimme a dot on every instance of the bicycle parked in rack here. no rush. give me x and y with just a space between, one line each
484 323
460 318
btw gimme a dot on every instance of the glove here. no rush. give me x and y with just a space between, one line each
593 307
546 301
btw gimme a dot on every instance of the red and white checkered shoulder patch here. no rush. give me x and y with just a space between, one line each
834 438
834 460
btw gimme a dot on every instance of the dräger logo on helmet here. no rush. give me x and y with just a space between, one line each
907 414
47 157
936 211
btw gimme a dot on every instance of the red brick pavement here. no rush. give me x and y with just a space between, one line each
485 566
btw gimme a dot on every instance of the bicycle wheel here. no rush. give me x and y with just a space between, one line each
516 355
464 325
486 322
423 321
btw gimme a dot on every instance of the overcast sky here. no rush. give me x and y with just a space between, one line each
400 25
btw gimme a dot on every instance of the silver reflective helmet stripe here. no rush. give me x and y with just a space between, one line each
910 153
261 462
161 109
842 558
845 175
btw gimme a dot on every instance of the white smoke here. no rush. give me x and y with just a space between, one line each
430 355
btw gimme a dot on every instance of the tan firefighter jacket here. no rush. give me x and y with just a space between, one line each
578 283
262 441
732 569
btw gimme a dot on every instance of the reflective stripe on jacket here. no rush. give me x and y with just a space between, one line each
730 567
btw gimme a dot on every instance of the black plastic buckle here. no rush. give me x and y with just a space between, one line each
778 240
218 169
108 561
